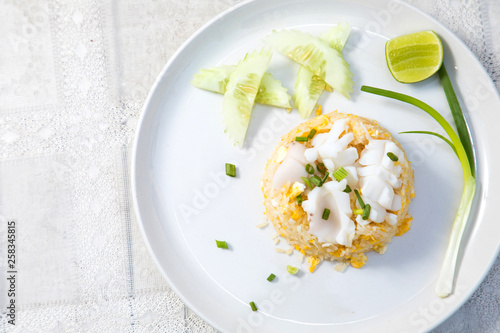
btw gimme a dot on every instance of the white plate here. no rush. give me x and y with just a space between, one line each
185 202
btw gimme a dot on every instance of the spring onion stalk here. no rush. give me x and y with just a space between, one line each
360 200
340 174
230 170
435 134
309 168
311 134
301 138
347 189
446 277
292 270
253 306
222 244
271 277
326 214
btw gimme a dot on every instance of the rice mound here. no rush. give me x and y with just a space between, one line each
290 220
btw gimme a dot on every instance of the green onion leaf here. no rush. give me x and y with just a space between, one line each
323 180
253 306
316 181
393 157
271 277
366 212
340 174
326 214
435 134
309 168
221 244
321 168
312 133
301 138
299 199
230 170
307 182
444 286
458 116
360 200
292 270
348 189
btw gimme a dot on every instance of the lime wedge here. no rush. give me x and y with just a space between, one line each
414 57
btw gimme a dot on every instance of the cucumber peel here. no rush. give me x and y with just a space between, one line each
271 92
241 90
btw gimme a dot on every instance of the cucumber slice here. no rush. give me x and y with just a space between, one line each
337 36
241 90
308 87
213 79
316 55
271 92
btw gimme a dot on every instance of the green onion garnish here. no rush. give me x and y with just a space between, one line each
253 306
221 244
347 189
309 168
230 170
312 134
308 183
301 138
271 277
326 214
292 270
340 174
360 200
299 199
321 168
462 144
366 212
357 211
323 180
393 157
316 180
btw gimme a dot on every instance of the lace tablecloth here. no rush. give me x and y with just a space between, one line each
73 78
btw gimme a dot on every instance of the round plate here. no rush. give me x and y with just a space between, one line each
184 201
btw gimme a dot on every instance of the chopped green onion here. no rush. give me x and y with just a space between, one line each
301 138
393 157
323 180
308 183
347 189
309 168
292 270
230 170
221 244
357 211
340 174
321 168
253 306
361 203
316 180
271 277
312 134
366 212
299 199
326 214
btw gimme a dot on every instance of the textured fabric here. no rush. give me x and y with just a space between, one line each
70 96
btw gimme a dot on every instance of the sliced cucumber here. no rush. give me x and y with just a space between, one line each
271 92
316 55
308 87
241 90
337 36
